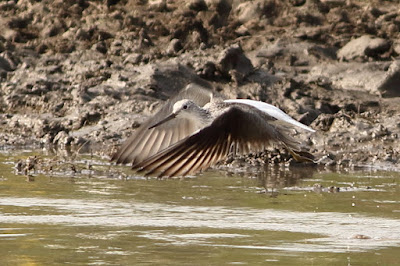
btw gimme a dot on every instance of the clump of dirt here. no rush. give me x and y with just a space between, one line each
79 72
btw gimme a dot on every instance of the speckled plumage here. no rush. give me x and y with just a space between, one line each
194 131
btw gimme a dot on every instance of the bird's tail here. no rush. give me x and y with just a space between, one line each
295 148
301 156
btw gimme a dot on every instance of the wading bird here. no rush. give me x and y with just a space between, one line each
194 131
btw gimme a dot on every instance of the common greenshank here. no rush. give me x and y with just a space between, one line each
194 131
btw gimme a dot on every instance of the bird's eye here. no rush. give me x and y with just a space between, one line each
185 107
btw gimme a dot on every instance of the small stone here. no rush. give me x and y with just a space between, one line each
391 83
134 59
309 117
7 5
158 5
297 2
249 11
361 236
62 138
144 39
364 46
100 47
103 35
198 5
7 62
208 71
242 31
174 46
41 48
82 35
233 58
52 29
19 22
111 2
334 3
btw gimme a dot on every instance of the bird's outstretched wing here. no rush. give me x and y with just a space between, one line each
247 128
273 111
145 142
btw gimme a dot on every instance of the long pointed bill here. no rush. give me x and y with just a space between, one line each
170 117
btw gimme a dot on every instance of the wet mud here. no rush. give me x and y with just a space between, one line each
87 73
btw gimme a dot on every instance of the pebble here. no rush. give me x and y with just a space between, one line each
364 46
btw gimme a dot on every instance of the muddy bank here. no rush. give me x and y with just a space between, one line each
89 72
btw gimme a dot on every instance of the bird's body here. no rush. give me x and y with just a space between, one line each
194 131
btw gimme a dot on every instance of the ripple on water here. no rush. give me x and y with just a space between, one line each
337 231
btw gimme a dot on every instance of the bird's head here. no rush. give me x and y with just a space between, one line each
183 109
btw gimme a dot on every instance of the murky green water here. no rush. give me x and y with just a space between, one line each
284 216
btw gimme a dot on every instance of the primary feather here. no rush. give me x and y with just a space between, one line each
187 136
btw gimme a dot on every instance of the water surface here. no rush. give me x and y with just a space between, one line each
285 215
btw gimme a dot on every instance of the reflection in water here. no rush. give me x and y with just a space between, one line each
275 176
338 232
89 217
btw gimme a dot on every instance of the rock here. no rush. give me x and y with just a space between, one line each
337 15
5 64
100 47
174 46
263 77
111 2
365 46
297 2
8 62
170 77
198 5
396 46
233 63
208 71
41 48
158 5
253 10
19 22
7 5
144 39
52 29
334 3
133 58
242 31
63 139
327 108
390 86
223 7
271 51
82 34
104 35
80 95
323 52
341 122
2 46
87 118
309 117
350 76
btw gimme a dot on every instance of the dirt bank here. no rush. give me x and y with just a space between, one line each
75 72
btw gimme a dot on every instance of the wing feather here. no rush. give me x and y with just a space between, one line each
241 128
249 130
145 142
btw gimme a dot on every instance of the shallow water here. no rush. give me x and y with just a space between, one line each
279 216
